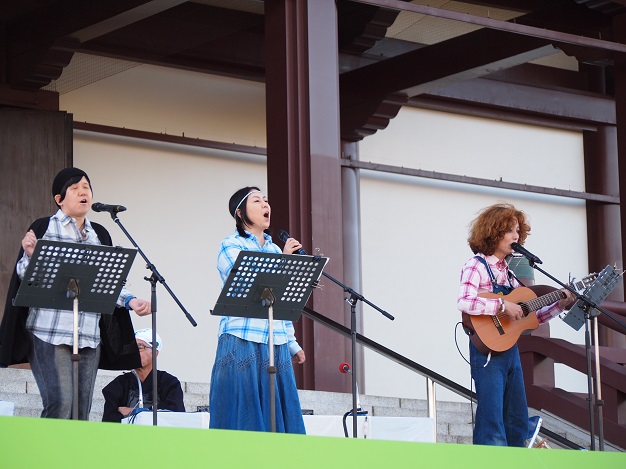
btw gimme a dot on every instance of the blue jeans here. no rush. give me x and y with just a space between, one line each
502 411
240 393
53 371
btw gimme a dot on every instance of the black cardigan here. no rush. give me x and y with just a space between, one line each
123 391
117 336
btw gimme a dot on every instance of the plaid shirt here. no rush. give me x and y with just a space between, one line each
251 329
475 280
56 326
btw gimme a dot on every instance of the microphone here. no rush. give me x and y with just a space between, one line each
345 367
98 207
284 236
526 253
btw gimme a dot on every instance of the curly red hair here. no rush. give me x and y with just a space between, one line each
491 224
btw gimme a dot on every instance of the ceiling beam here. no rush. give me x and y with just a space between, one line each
199 38
64 18
517 27
361 26
499 46
42 43
364 90
528 99
125 18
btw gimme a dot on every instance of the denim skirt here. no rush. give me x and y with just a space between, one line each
240 392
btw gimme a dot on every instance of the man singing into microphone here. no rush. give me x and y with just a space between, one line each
240 396
502 412
44 337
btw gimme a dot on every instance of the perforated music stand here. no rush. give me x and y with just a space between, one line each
596 293
581 314
269 286
68 275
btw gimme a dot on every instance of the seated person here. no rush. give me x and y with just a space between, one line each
134 390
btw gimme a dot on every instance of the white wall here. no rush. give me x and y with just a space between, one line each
411 266
174 102
413 230
177 201
176 195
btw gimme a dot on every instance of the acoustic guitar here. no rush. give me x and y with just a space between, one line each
499 333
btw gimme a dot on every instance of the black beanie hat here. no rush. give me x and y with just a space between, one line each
64 176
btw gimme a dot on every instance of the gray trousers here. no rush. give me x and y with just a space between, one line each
53 371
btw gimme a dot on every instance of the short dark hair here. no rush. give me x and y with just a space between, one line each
65 178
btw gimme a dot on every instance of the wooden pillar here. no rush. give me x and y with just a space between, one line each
604 220
614 218
35 146
303 163
619 83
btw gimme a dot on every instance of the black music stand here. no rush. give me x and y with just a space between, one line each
270 286
66 275
584 311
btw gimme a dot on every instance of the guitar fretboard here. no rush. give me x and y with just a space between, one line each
540 302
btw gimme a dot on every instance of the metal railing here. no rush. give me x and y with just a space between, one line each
432 377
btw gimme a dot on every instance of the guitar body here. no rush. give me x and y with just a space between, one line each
499 333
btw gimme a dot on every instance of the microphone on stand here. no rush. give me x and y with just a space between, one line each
98 207
526 253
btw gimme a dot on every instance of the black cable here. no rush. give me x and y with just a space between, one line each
472 402
456 342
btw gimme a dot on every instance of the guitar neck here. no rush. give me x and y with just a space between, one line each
541 301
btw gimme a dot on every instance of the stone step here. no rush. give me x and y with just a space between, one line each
454 422
23 401
18 386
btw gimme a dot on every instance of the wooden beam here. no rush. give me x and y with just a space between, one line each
610 199
513 27
29 99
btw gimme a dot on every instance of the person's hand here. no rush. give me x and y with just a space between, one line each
568 301
513 310
125 411
291 246
29 242
298 358
141 307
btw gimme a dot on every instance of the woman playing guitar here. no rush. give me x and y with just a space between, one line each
502 412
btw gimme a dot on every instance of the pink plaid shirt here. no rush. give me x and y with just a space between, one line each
475 280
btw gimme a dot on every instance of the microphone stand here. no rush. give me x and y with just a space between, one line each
589 305
153 279
352 300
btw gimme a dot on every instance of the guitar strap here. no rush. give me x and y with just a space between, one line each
511 274
495 286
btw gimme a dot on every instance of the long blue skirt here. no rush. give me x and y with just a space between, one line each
240 393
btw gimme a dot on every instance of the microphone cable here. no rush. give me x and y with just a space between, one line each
456 342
